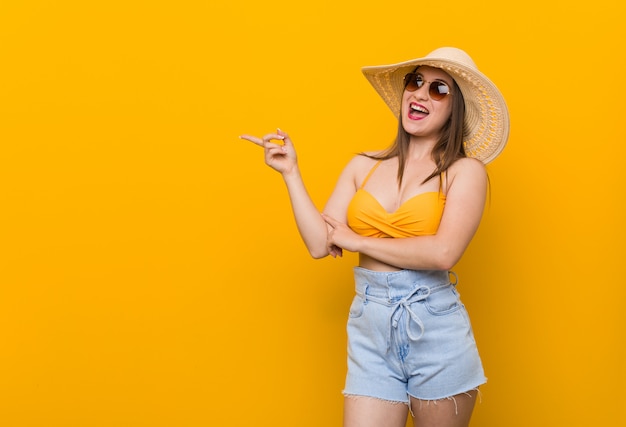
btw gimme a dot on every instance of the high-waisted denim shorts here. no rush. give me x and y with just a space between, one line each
409 335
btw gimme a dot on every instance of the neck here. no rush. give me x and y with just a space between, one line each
420 149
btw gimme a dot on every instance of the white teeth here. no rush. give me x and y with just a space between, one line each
419 109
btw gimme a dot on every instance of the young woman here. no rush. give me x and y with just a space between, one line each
410 212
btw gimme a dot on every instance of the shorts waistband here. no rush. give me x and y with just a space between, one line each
398 290
396 284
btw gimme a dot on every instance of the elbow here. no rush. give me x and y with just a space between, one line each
446 259
444 265
317 254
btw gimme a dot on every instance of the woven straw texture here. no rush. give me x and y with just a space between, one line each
486 124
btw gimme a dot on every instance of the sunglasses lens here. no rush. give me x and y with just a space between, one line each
438 90
412 82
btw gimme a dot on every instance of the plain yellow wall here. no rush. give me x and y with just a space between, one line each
151 273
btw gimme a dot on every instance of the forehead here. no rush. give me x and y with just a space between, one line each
434 73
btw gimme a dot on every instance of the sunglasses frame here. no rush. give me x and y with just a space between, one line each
410 79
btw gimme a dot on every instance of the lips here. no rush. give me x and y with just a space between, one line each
417 111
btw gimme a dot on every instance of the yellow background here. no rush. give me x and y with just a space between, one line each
150 270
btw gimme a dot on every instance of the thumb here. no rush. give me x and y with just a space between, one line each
286 140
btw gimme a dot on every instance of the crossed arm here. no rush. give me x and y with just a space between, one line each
465 201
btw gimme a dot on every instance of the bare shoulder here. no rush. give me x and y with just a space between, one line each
357 168
467 170
360 165
468 165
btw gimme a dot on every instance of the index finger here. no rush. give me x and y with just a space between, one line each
262 141
254 139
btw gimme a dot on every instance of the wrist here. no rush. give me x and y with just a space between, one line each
291 174
360 244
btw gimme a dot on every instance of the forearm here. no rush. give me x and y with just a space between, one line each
463 211
311 226
414 253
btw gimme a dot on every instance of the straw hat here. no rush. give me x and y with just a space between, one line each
486 127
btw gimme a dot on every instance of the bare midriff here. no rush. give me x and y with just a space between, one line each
373 264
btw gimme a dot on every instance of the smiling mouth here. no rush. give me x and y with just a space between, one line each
417 111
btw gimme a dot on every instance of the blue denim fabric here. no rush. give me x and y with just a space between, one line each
409 335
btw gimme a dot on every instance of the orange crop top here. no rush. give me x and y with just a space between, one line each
418 216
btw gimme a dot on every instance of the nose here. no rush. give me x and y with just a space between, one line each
422 92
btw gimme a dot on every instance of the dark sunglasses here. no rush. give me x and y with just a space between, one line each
436 90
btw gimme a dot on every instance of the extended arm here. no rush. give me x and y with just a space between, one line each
310 223
311 226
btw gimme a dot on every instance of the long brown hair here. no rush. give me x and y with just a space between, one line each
446 151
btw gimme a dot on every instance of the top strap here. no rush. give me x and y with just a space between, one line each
370 173
442 178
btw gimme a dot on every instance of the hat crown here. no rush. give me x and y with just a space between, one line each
452 54
486 121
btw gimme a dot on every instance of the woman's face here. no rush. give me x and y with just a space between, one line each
422 115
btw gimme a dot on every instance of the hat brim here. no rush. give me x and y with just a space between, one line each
486 122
